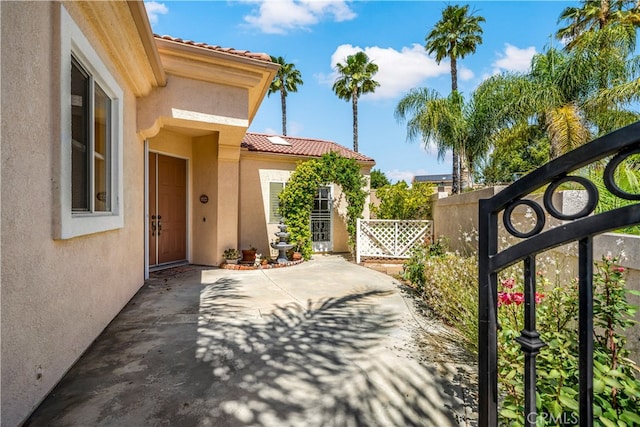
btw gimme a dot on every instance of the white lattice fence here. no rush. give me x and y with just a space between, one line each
388 238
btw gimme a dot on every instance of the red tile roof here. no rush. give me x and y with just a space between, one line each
308 147
245 53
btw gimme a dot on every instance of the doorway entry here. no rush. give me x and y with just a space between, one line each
167 210
321 220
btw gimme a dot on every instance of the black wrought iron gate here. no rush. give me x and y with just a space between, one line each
580 227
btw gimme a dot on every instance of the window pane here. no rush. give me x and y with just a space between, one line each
102 146
79 138
275 188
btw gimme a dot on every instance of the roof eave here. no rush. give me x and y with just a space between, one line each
202 63
141 20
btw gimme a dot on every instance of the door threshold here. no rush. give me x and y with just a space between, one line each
168 265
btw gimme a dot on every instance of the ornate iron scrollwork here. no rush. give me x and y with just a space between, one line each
580 226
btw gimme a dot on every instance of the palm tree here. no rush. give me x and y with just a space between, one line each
450 123
594 15
287 80
355 78
563 94
456 35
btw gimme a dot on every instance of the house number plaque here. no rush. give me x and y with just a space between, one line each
204 198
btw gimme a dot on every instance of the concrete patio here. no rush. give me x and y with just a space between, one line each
324 343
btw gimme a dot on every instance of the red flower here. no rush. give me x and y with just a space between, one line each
518 298
504 298
618 269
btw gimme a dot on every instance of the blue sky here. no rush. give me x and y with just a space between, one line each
315 35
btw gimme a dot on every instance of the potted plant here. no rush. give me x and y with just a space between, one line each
230 255
249 255
296 255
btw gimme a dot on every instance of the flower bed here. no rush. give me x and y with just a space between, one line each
258 267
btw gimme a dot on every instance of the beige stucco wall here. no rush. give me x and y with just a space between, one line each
204 216
57 295
255 174
180 103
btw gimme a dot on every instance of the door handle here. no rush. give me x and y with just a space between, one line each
159 225
153 225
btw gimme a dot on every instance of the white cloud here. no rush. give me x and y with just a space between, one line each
514 59
398 70
465 74
396 175
431 149
271 131
293 129
281 16
154 10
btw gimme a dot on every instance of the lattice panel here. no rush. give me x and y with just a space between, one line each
390 238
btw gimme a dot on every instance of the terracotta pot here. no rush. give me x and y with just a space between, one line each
296 256
248 255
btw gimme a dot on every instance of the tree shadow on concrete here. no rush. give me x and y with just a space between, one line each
327 363
323 364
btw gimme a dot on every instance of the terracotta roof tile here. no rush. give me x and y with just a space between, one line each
245 53
308 147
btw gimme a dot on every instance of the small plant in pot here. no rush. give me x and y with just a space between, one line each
249 255
294 253
231 255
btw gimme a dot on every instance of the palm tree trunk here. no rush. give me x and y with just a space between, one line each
455 176
454 74
465 172
354 102
283 101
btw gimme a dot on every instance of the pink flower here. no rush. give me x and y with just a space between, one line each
508 283
517 298
618 269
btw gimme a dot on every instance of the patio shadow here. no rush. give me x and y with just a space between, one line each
323 364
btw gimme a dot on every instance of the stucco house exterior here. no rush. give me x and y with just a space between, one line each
266 162
121 152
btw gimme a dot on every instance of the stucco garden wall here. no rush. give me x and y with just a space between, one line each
57 295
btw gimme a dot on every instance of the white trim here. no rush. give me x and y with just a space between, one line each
67 223
195 116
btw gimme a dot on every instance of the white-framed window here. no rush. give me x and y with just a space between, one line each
90 190
275 188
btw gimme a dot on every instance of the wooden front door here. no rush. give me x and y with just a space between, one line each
167 209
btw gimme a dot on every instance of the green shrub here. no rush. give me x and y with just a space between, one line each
449 285
399 201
